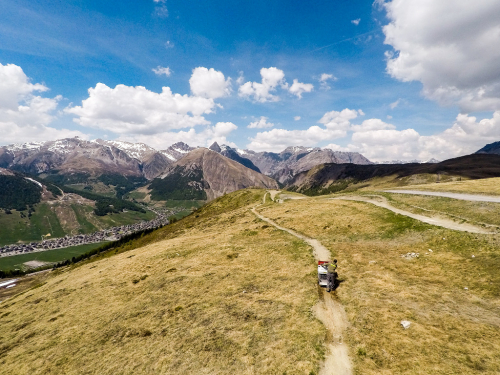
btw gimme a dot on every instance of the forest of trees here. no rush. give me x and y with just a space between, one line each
179 186
18 192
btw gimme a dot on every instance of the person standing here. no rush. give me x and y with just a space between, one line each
331 275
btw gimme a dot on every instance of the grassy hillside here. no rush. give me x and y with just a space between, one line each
331 178
453 330
217 292
222 292
487 186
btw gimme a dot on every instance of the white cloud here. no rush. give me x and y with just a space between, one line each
260 123
240 79
15 86
356 22
210 134
209 83
278 139
380 141
389 117
261 92
159 70
169 44
340 120
395 104
449 46
323 80
136 110
298 88
297 118
24 117
372 124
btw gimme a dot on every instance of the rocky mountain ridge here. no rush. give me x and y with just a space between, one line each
206 174
75 155
296 159
93 158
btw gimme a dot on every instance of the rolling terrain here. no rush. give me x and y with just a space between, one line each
223 291
330 178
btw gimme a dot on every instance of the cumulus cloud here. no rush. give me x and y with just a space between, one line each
297 118
336 125
323 80
340 120
260 123
356 22
278 139
298 88
262 92
205 137
450 47
24 116
169 44
209 83
137 110
372 124
380 141
159 70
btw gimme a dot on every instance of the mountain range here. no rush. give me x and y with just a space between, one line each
75 156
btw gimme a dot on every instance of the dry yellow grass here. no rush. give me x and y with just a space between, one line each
219 294
487 186
484 214
453 330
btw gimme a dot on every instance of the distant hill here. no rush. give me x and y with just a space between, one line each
492 148
293 160
205 174
321 178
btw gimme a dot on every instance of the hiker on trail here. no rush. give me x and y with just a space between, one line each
331 274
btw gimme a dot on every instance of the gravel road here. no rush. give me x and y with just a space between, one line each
461 196
328 310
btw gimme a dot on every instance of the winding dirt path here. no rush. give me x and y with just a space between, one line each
329 311
461 196
380 201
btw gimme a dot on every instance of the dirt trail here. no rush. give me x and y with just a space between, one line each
461 196
380 201
329 311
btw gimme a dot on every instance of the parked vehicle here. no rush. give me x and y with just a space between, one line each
322 271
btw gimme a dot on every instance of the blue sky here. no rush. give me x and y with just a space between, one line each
410 109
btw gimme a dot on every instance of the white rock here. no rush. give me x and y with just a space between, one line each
473 256
466 288
430 250
405 324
